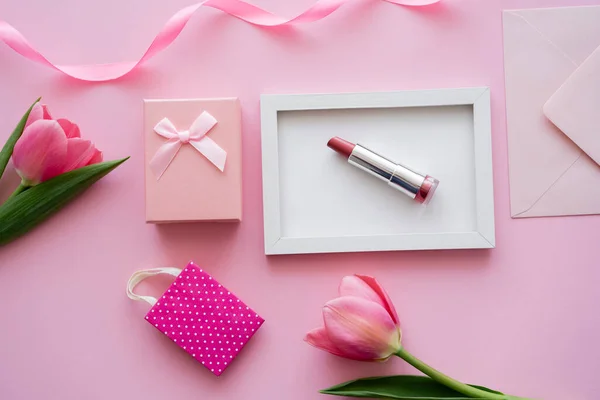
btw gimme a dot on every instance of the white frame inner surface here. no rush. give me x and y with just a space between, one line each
282 110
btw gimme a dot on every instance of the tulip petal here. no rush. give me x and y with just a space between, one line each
35 114
39 111
361 329
46 112
71 129
96 158
354 286
40 152
385 298
318 338
79 153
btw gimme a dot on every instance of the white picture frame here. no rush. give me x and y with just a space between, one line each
480 236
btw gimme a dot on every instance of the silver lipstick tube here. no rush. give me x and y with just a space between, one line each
397 176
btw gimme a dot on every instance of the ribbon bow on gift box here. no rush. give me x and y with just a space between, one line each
196 136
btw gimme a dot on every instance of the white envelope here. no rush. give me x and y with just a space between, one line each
552 67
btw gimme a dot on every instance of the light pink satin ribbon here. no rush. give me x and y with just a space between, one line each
237 8
195 136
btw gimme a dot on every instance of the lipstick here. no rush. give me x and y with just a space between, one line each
418 187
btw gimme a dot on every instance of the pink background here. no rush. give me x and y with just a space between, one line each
521 318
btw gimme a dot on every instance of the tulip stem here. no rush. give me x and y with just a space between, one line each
18 190
447 381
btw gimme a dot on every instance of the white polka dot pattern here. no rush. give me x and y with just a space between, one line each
204 318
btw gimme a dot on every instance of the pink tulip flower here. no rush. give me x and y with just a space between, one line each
361 324
50 147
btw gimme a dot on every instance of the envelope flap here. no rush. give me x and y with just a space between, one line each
575 107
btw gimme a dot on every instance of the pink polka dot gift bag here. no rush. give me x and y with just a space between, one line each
199 314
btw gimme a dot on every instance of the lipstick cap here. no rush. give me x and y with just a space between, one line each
418 187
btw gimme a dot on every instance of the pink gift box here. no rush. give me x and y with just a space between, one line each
192 188
204 319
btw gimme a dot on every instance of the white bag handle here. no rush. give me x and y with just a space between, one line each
139 276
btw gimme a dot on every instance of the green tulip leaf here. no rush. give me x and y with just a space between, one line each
23 212
7 150
400 387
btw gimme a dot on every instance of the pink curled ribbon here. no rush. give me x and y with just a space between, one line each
236 8
195 136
